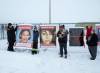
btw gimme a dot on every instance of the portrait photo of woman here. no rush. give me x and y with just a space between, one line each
24 36
48 37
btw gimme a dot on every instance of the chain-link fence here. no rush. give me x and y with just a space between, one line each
3 31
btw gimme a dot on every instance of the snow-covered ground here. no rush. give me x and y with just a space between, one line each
48 61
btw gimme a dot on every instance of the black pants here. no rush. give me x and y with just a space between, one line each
63 47
10 46
93 51
35 47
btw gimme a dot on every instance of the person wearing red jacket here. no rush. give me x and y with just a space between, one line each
88 31
92 43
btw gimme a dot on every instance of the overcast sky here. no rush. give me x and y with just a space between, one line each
37 11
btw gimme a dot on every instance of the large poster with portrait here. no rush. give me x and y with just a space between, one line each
24 36
47 36
98 33
76 36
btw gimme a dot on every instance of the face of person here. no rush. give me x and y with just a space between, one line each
24 37
10 26
46 37
61 28
89 26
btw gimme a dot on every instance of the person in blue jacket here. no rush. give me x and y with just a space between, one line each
35 40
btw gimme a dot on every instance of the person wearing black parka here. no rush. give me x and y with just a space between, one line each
92 43
11 38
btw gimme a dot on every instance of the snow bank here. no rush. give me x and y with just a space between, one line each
48 61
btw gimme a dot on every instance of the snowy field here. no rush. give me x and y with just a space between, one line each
48 61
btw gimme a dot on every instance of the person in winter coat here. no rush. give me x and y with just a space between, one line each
11 36
92 45
35 40
62 39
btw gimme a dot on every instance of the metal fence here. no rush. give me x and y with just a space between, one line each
3 31
3 27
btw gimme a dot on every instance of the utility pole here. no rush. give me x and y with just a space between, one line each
49 11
